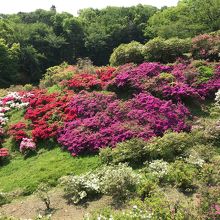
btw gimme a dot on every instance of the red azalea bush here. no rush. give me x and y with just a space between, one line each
4 154
91 81
18 131
103 120
47 112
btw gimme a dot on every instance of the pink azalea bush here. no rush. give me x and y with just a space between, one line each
27 145
103 120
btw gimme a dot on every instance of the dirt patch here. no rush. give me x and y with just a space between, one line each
30 207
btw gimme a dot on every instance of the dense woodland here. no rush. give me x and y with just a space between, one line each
32 42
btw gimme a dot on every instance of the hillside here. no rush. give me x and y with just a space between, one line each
146 136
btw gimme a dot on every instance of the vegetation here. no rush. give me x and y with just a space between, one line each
145 133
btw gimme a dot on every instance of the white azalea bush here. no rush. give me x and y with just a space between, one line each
13 100
79 188
135 213
158 168
217 98
118 181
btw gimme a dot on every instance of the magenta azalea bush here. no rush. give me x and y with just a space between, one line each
103 120
177 82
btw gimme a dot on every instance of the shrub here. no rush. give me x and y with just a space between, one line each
47 113
43 195
54 75
18 131
217 98
182 175
27 145
91 81
127 53
205 73
206 46
119 182
79 188
210 202
4 155
3 199
158 168
131 151
28 87
169 146
165 51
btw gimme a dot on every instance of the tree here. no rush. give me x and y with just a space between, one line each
9 57
108 28
187 19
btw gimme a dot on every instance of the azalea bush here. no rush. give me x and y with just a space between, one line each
27 145
4 155
91 81
103 120
18 131
206 46
179 82
47 112
118 181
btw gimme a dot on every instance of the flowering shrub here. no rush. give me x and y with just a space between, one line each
104 120
27 145
4 154
47 112
217 98
178 82
18 131
117 181
206 46
78 188
91 81
158 168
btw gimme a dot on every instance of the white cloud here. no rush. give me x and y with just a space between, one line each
72 6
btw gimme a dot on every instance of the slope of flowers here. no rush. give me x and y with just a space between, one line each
103 120
86 120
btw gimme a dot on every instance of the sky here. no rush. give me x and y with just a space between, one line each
72 6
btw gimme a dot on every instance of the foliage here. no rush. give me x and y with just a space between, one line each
187 19
47 112
130 151
127 53
9 62
56 74
3 199
182 175
184 82
165 51
119 182
79 188
42 193
206 47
